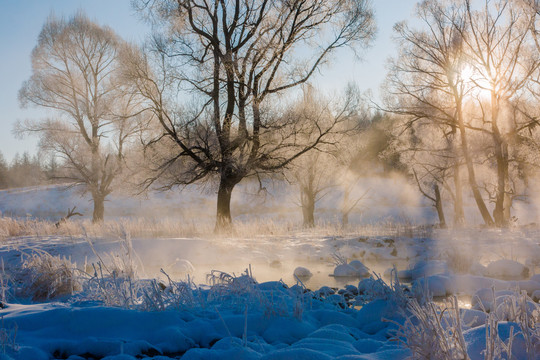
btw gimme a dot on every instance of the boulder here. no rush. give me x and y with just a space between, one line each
507 269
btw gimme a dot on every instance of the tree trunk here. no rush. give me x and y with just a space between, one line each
99 208
459 215
470 170
345 208
502 170
508 206
501 157
439 207
345 219
223 214
308 207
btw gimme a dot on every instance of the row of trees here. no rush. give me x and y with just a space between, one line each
465 89
25 170
220 94
208 99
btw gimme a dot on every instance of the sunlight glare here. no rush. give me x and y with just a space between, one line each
474 84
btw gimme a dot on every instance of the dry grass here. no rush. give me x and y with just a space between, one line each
168 227
46 277
8 338
459 259
433 331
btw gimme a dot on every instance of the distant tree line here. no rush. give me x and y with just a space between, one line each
26 170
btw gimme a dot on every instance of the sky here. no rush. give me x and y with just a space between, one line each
22 20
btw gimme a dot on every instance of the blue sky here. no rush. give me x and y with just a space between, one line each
21 22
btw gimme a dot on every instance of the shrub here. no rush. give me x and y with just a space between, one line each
435 331
46 277
429 334
115 281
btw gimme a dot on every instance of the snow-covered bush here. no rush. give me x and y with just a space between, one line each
459 261
241 291
437 331
45 277
507 269
302 272
115 281
161 296
432 331
374 288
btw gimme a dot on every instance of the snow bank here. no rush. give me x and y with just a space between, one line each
442 285
476 340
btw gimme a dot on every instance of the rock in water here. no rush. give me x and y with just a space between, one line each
302 272
361 269
345 270
507 269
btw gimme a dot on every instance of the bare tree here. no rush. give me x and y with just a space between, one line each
473 70
504 62
356 157
315 173
432 164
74 72
427 82
313 176
240 57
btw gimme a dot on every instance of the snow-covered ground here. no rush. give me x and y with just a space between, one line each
118 304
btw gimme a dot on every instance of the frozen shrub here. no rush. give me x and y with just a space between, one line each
374 288
112 287
430 334
458 260
518 308
222 281
435 331
161 296
45 277
114 281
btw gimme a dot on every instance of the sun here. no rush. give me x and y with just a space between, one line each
474 84
467 74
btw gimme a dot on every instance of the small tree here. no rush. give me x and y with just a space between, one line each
314 177
315 172
74 73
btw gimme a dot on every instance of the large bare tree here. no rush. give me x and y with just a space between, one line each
240 58
426 83
473 69
74 72
505 64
